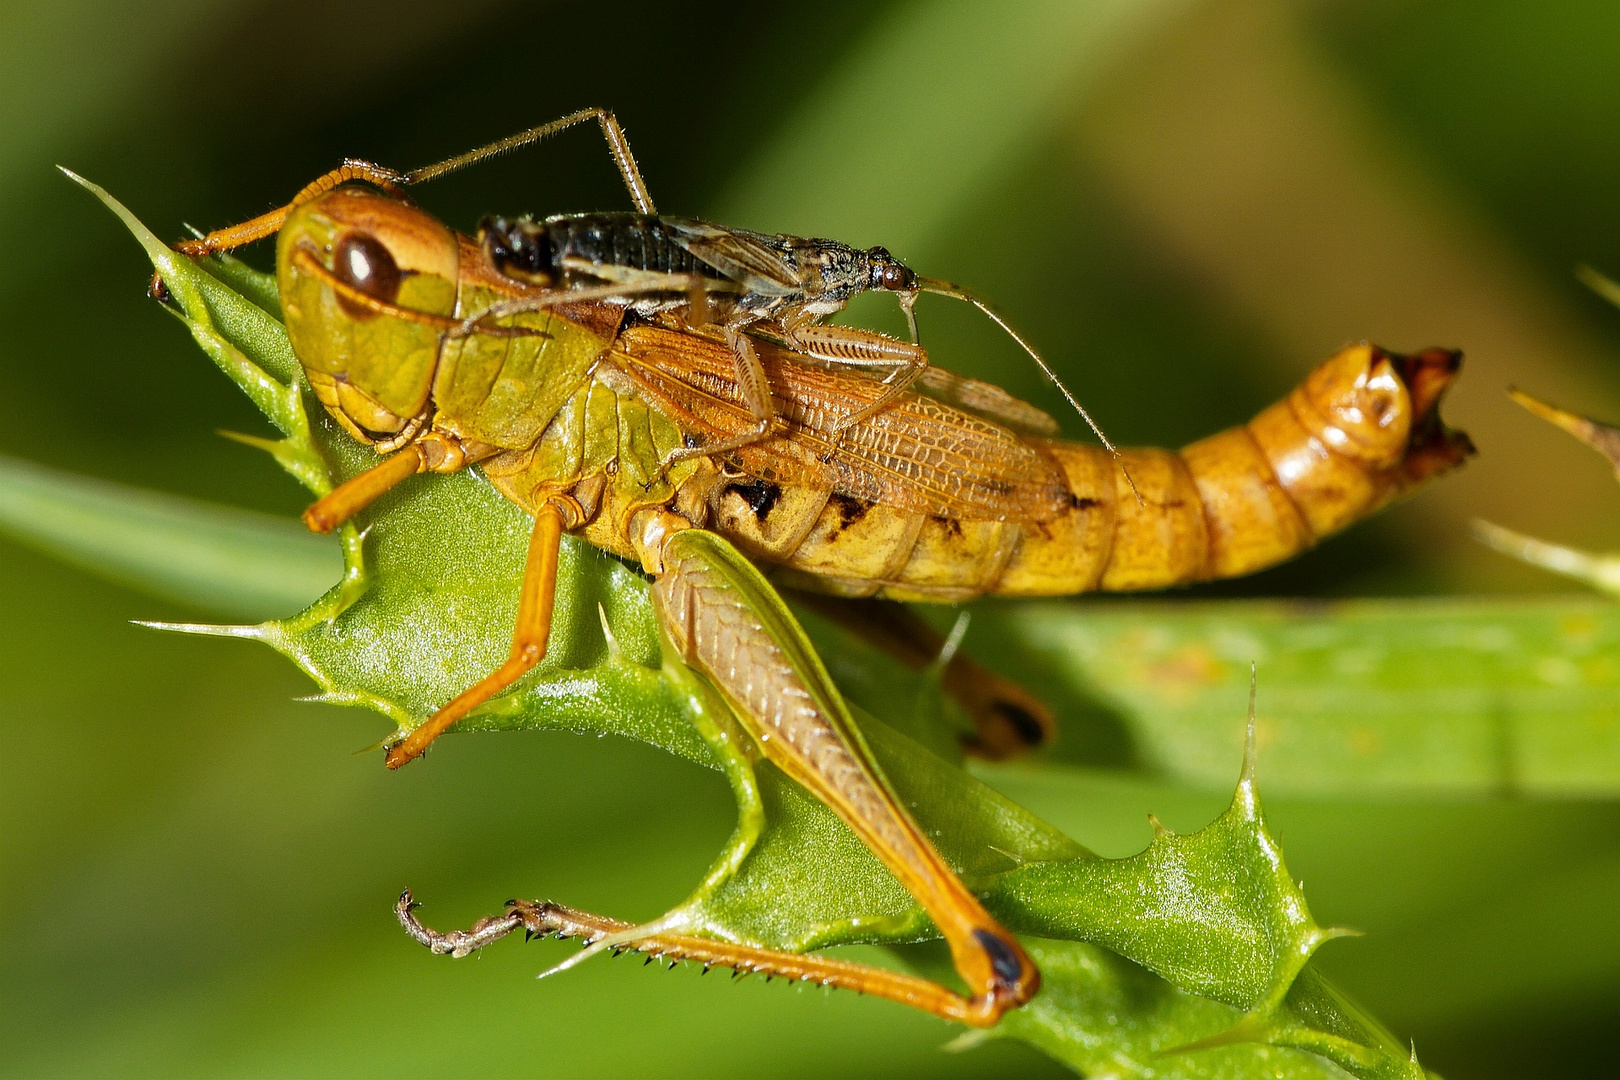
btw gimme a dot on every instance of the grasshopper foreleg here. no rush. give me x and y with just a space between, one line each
529 638
433 452
439 452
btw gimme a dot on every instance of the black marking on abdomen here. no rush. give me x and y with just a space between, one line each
850 510
635 241
760 495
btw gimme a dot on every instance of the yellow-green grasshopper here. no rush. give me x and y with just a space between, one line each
628 432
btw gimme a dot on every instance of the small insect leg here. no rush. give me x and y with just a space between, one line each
751 381
269 224
618 146
622 283
265 225
849 346
755 390
853 347
528 640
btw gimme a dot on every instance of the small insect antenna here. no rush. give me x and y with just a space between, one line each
618 146
956 292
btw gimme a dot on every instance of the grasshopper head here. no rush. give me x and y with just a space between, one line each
368 285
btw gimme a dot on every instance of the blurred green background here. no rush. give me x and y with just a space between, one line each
1185 204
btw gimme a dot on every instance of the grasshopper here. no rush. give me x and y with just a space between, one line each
626 427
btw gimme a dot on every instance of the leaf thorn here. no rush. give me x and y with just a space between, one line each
1604 438
1598 283
255 632
953 642
380 744
1251 752
614 653
1250 1028
1602 572
968 1040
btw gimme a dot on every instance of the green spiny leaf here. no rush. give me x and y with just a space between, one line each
1247 900
446 556
1106 1016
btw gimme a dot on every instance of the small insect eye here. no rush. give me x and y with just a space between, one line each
895 277
520 249
361 260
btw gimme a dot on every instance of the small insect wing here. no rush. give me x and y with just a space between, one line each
987 401
745 257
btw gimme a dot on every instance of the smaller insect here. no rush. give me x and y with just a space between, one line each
777 285
747 282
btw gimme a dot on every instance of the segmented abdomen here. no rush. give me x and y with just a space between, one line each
629 241
1360 431
922 502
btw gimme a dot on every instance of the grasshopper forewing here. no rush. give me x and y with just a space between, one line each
638 431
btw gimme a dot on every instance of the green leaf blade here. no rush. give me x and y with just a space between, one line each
1378 698
237 563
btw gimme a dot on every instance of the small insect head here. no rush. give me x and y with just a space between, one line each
368 285
888 273
518 248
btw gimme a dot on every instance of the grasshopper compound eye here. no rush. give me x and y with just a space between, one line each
365 263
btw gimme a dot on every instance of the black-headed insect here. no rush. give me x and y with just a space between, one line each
745 283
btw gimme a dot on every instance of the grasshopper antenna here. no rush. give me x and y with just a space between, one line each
956 292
